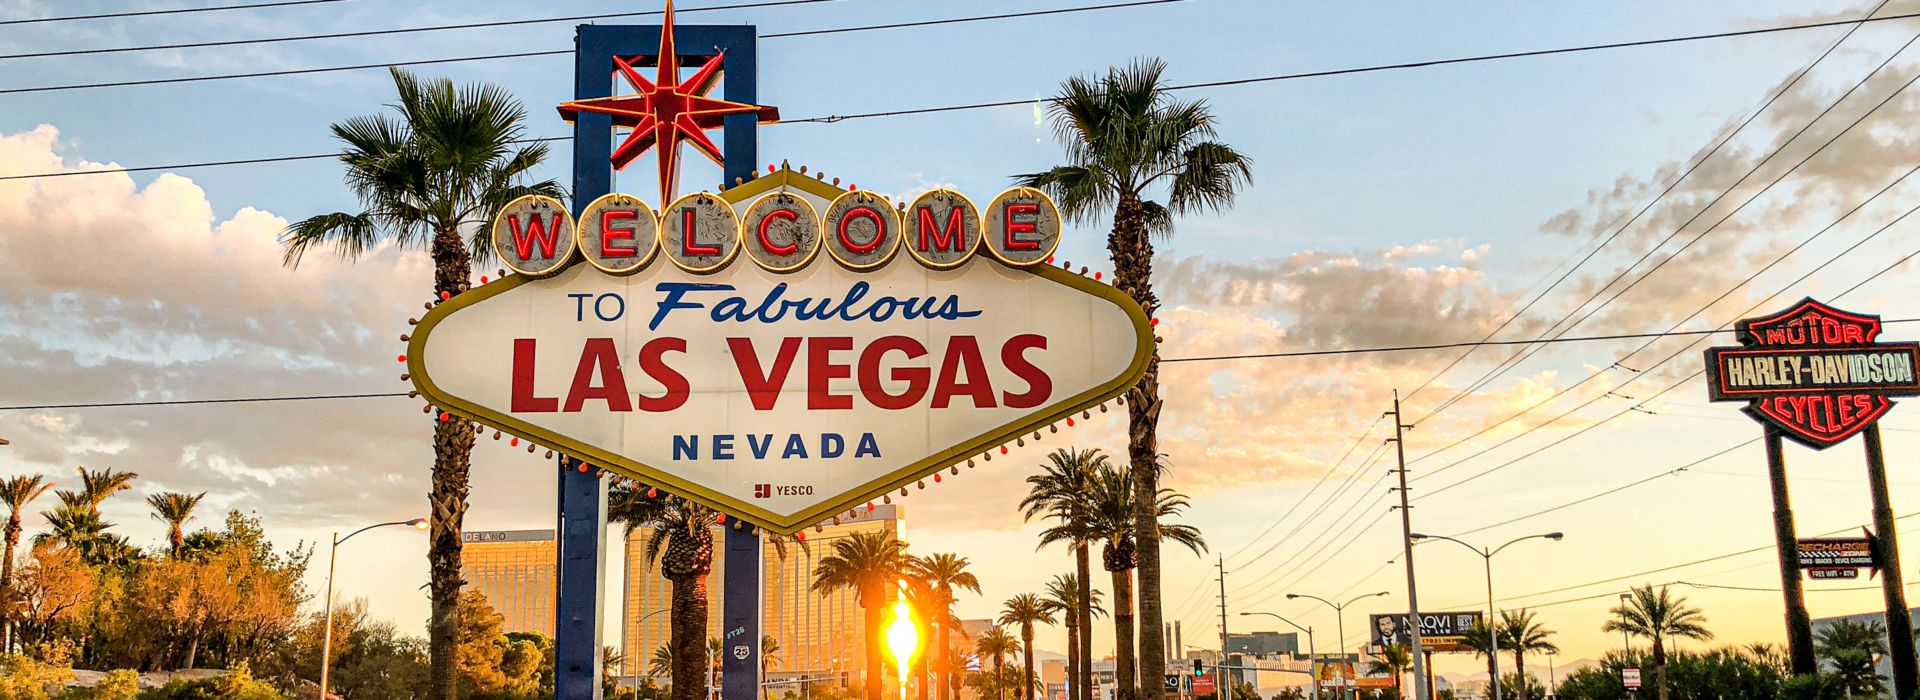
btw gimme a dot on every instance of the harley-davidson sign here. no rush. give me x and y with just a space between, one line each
785 349
1814 371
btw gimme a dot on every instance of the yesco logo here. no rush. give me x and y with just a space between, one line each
711 349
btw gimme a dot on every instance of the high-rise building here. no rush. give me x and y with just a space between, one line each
819 635
514 569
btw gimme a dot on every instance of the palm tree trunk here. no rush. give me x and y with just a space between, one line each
1073 655
1519 674
1026 658
1132 251
876 667
1080 556
924 667
6 581
1123 676
1660 666
687 636
447 499
946 665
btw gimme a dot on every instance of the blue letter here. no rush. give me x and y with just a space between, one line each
723 446
832 445
688 445
759 448
867 447
795 448
674 292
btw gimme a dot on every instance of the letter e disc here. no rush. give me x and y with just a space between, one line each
943 229
700 233
1023 227
862 230
781 232
619 234
533 235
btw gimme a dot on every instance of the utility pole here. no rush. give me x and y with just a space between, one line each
1420 686
1220 690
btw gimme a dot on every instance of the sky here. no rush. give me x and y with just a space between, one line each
1398 207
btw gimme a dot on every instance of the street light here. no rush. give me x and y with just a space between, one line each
1493 634
1340 624
1313 681
333 557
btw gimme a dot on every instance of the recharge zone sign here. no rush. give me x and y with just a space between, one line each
785 349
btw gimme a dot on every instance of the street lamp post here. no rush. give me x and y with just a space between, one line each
333 557
1313 682
1340 625
1493 631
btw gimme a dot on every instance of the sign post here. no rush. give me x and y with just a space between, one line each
1818 375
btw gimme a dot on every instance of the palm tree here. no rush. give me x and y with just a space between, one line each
96 486
944 572
662 662
866 562
16 492
1394 661
426 177
174 509
929 607
996 644
681 544
1520 634
1109 512
1063 595
1026 610
1060 492
769 658
1127 139
1658 616
1853 648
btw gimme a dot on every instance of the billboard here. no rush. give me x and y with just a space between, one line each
1814 371
1442 632
784 350
1838 557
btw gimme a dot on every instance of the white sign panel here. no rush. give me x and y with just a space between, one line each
780 397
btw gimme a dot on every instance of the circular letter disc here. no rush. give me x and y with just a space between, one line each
943 229
619 234
700 233
781 232
1023 227
862 230
533 236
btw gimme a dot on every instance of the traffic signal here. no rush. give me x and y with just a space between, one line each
1199 668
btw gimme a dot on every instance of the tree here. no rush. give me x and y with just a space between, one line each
96 486
1658 616
769 658
1061 492
1126 139
1394 661
681 544
1519 634
16 492
866 562
995 645
1852 649
174 509
1026 610
1063 594
945 572
440 168
662 662
1109 514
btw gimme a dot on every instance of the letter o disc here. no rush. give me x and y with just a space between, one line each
618 234
781 232
700 233
861 230
541 227
1023 227
943 229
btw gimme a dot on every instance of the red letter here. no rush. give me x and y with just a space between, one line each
954 235
1015 209
963 350
656 367
598 357
1039 385
523 399
686 236
822 369
608 233
915 377
879 230
767 243
523 240
763 389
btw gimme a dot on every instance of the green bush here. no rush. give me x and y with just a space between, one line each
236 684
116 685
22 678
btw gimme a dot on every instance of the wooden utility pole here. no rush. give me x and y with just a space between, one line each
1420 685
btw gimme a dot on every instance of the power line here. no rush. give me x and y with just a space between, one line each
179 11
1628 223
1617 489
892 113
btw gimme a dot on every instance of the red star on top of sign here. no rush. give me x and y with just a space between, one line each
667 111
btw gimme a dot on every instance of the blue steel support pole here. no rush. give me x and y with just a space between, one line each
741 596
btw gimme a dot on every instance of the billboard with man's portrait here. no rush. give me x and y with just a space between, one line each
1443 632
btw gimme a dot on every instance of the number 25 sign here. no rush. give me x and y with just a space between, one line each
781 388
